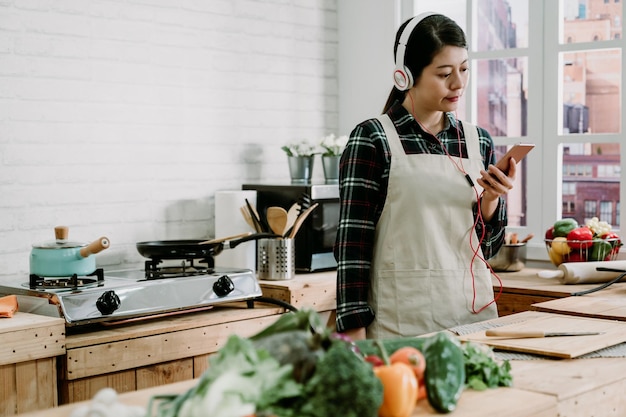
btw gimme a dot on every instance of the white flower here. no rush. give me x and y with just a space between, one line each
302 148
332 145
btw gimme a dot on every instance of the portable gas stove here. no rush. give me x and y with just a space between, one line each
130 294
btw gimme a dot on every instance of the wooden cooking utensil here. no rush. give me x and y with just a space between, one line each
292 215
276 218
224 239
248 218
301 218
255 216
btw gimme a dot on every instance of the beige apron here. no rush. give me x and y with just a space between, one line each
421 279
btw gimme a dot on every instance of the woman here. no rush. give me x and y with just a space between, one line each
421 201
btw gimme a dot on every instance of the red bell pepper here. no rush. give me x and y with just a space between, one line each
580 238
615 241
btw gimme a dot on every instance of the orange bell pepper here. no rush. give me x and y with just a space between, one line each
400 389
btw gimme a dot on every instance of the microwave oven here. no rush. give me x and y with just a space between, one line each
313 244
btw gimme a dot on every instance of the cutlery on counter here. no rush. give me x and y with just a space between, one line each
527 334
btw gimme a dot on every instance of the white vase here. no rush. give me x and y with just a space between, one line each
300 169
331 168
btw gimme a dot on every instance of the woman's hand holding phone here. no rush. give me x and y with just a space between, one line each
517 152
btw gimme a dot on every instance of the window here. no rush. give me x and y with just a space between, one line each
606 211
550 73
590 209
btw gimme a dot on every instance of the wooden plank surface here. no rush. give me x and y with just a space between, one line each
26 337
526 282
582 387
226 313
596 307
28 386
510 402
317 290
612 333
148 350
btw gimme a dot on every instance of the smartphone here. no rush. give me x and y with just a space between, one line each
517 152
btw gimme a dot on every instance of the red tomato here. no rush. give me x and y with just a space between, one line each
581 237
412 357
374 360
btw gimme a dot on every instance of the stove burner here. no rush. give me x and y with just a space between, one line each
37 282
187 268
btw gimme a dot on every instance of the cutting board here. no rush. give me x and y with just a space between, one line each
601 308
612 333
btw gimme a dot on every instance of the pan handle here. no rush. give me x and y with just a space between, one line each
255 236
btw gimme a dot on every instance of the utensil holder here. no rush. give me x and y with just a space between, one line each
276 259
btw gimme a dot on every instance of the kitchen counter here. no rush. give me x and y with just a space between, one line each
542 388
524 289
28 356
147 354
153 352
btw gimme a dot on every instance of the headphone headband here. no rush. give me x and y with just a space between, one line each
402 77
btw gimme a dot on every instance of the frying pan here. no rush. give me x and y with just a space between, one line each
193 249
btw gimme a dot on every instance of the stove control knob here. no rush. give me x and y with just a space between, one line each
223 286
108 302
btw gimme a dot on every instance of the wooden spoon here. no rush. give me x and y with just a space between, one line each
276 218
292 215
301 218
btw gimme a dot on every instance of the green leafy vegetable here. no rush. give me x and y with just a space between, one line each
482 370
343 385
240 380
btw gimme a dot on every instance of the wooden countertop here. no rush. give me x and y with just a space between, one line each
527 282
511 402
542 388
608 303
27 337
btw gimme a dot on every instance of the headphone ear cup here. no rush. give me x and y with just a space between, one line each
402 78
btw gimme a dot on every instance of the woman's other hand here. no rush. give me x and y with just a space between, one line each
356 334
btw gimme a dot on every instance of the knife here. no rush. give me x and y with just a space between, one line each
522 334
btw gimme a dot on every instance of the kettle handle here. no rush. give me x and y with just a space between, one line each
95 247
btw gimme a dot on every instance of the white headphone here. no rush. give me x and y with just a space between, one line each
402 77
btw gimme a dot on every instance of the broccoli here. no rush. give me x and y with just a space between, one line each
343 385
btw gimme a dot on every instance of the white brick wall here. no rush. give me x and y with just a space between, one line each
123 118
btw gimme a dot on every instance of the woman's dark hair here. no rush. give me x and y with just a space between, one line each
428 38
